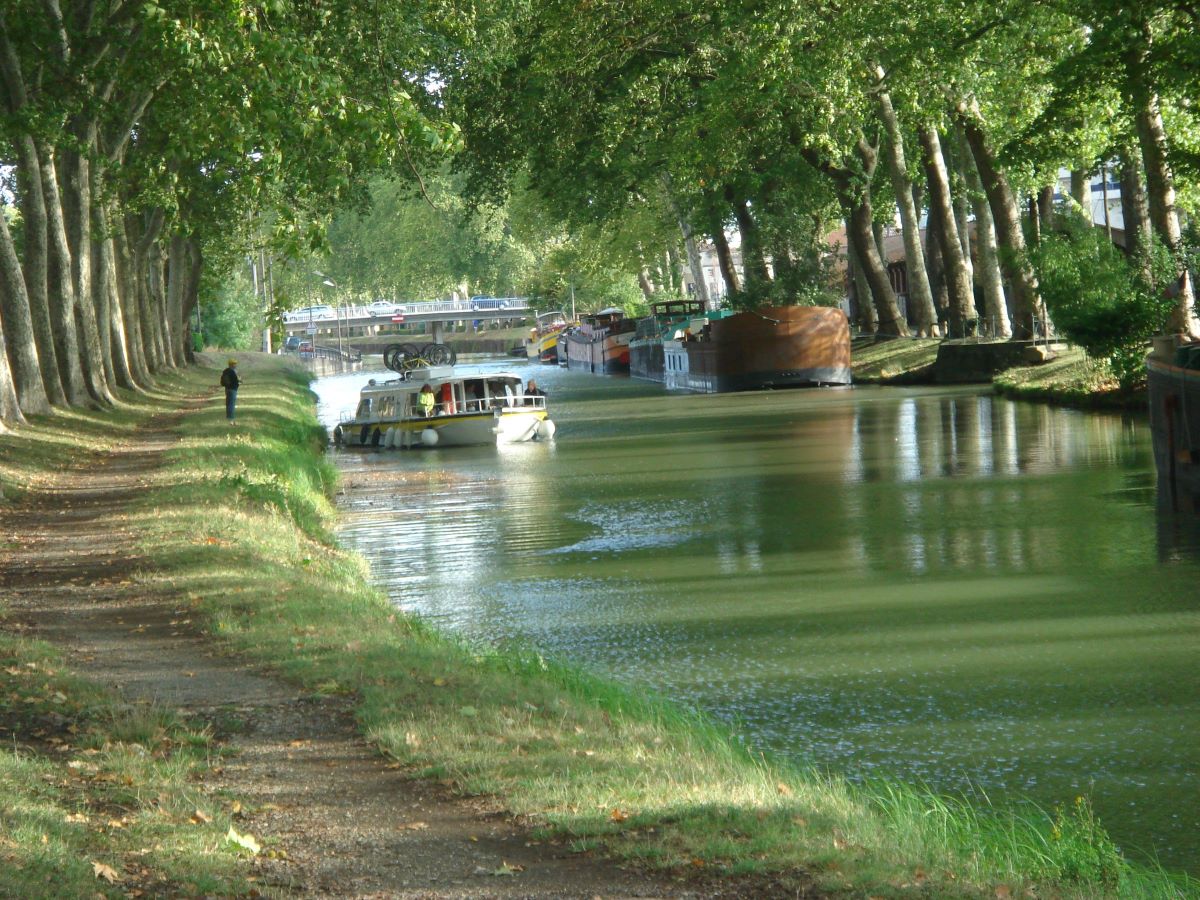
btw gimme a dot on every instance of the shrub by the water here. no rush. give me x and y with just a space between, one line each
1105 302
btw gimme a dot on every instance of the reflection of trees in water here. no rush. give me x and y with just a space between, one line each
939 489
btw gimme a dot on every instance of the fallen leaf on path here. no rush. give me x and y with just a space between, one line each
413 826
109 874
618 815
200 816
245 841
509 869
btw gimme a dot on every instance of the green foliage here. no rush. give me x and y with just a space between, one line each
230 316
1106 303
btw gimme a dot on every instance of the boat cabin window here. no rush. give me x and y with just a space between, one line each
387 407
364 408
474 395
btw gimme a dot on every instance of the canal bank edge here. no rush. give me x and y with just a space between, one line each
584 760
1061 375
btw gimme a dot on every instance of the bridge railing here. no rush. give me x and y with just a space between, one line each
469 309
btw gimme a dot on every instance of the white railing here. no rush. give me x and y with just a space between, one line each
469 308
474 405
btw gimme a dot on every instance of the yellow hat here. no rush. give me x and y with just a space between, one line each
233 362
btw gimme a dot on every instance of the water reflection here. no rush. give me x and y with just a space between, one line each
937 584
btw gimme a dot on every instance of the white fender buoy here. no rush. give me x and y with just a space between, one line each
546 429
429 437
389 438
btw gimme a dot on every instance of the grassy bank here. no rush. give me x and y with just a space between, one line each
1070 379
239 526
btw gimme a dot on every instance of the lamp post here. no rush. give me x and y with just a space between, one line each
337 309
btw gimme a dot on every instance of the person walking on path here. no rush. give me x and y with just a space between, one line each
231 382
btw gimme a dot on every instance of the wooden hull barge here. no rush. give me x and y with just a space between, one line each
667 321
773 347
600 344
1173 388
469 410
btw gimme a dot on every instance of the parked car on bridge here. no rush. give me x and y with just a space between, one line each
310 314
384 308
486 302
292 344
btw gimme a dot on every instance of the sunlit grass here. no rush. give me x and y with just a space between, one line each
97 798
885 359
1071 378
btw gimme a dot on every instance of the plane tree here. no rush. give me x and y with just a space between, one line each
145 138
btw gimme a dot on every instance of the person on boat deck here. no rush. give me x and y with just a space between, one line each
532 390
426 400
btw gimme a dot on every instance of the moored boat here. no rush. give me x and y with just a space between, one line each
772 347
601 343
667 320
1173 389
476 409
544 336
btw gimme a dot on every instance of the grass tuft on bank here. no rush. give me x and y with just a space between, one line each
97 797
884 360
1071 379
238 525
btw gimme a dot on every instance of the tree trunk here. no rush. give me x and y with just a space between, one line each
695 264
725 257
191 295
920 297
864 305
1134 210
754 263
995 308
77 210
936 267
1160 185
1081 192
127 294
962 219
108 290
178 270
36 267
786 274
1024 301
887 308
149 280
25 370
643 277
61 285
1045 208
963 316
10 407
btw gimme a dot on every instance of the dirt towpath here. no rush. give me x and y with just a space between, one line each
344 823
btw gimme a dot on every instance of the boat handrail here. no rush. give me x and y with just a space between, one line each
475 405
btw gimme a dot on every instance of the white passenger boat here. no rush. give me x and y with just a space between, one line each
483 408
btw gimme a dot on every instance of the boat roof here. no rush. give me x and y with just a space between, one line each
434 375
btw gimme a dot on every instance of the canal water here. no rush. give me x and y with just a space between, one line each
930 584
